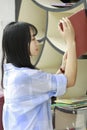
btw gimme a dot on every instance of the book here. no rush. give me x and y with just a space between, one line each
73 103
70 106
79 22
72 100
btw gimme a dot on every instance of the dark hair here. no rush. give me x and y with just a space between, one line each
15 44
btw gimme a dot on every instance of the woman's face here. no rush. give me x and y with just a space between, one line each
34 45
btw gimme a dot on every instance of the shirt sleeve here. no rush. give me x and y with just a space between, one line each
54 84
59 84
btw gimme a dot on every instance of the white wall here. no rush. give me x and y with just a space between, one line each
7 14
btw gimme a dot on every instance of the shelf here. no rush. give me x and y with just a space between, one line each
47 5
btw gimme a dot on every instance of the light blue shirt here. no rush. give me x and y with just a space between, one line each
28 95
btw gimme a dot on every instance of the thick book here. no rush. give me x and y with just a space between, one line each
79 22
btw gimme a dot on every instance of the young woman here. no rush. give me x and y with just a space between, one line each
27 90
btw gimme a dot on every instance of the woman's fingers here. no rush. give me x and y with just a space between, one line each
64 23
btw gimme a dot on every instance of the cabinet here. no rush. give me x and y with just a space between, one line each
45 17
66 119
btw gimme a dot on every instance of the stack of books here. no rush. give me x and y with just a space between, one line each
72 103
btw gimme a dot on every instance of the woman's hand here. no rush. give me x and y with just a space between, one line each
63 65
64 59
68 30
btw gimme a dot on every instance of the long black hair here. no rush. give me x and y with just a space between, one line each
15 44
